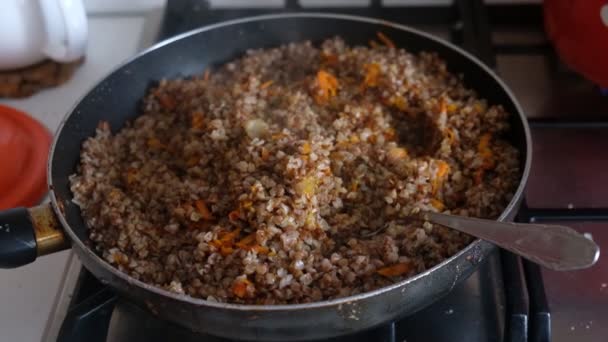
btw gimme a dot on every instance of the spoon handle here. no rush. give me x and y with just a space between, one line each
555 247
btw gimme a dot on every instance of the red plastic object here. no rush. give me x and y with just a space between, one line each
24 147
579 32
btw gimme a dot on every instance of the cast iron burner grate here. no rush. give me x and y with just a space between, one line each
503 301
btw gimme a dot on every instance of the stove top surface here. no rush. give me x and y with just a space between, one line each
507 299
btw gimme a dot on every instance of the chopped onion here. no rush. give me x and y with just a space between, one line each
256 128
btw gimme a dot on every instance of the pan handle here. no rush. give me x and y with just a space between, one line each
27 233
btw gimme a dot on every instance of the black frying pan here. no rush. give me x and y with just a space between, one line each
115 99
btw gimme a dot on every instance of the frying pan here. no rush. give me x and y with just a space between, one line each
37 231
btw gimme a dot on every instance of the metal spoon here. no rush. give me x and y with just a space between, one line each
555 247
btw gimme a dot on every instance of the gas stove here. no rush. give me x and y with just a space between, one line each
507 299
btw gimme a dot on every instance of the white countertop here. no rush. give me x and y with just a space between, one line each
29 295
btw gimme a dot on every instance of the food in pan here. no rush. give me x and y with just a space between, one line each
256 182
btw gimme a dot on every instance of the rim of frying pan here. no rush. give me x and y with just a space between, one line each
282 307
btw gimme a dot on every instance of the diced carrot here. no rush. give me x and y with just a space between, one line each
484 142
329 59
306 148
443 169
198 120
386 40
451 108
395 270
399 102
247 205
166 101
260 249
246 241
226 250
485 152
265 154
266 84
234 215
278 136
230 236
328 86
203 210
239 287
397 154
389 133
437 204
155 143
443 106
372 73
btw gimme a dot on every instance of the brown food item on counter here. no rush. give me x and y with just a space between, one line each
29 80
255 182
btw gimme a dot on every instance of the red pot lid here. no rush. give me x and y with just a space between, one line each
24 148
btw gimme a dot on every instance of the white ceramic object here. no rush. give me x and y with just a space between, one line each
604 14
32 30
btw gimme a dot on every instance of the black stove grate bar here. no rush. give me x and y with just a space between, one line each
523 49
581 123
89 320
516 299
568 215
540 316
476 32
522 16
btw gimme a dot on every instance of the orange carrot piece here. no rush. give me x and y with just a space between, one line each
386 40
328 85
443 169
203 210
234 215
166 102
198 120
395 270
260 249
266 84
239 288
372 72
246 241
155 143
486 153
437 204
226 250
306 148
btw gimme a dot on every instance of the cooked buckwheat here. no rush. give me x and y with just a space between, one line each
254 183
